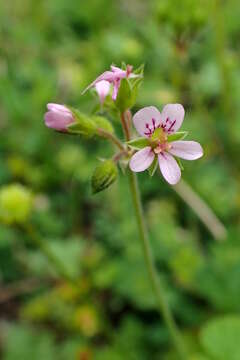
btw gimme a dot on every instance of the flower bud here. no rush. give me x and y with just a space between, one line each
16 204
58 117
104 175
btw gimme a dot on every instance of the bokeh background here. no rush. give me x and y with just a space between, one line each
49 51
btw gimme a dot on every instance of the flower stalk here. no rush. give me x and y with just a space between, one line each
157 287
112 138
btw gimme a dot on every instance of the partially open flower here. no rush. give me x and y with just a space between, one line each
58 117
102 88
159 128
113 77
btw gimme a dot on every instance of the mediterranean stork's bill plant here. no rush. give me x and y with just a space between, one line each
159 145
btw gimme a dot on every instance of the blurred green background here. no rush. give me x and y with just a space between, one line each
49 51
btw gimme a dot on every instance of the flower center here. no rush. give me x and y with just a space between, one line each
159 141
161 148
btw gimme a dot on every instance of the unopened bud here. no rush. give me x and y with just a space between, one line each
58 117
104 175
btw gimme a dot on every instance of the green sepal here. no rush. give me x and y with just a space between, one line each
152 169
177 136
83 125
103 123
139 70
136 83
104 175
139 143
180 163
135 87
124 97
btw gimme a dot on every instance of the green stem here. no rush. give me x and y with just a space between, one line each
125 127
155 281
112 138
47 251
157 287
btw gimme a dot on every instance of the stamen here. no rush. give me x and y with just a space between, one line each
171 126
152 129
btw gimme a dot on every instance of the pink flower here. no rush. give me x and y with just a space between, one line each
102 88
58 117
157 127
113 77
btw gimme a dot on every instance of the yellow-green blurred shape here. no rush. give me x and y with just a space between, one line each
16 202
86 320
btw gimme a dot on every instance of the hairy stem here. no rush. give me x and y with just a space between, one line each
125 127
155 280
156 284
112 138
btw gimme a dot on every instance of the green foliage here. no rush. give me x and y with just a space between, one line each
16 203
25 343
220 338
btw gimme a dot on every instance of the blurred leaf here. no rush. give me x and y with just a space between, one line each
25 343
220 338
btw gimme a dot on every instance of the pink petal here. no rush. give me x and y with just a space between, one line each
189 150
58 121
142 159
169 168
58 108
172 117
102 88
147 120
116 85
115 68
107 76
119 72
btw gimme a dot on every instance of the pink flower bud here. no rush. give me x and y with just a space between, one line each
58 117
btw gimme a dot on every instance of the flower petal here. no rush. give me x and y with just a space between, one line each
169 168
107 76
172 117
57 120
102 88
115 68
116 86
147 120
142 159
189 150
58 108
